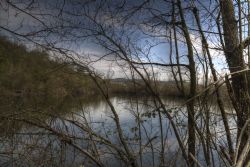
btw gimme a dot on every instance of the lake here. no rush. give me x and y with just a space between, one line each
58 138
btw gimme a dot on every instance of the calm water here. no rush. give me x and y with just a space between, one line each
23 144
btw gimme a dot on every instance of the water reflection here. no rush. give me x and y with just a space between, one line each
39 137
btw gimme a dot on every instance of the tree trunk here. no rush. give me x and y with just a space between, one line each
235 61
192 89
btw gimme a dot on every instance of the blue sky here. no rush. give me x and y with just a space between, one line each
65 24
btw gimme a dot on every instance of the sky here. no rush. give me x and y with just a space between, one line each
75 26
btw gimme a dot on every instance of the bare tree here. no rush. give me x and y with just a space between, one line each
127 34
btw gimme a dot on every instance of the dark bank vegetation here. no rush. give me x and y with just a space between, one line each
37 77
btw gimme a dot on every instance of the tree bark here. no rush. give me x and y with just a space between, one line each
235 61
192 90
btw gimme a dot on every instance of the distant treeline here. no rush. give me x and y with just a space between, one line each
138 87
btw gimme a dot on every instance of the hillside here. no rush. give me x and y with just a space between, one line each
36 78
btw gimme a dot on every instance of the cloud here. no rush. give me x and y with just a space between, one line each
159 36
